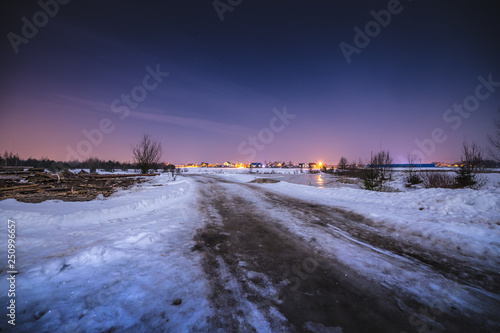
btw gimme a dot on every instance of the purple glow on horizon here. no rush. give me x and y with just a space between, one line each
225 79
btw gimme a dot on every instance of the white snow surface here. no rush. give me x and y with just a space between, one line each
116 263
405 276
460 222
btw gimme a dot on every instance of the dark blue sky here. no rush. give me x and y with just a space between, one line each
226 77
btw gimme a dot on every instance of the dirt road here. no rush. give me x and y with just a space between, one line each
267 273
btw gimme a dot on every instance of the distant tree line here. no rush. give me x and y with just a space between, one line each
92 163
378 169
147 158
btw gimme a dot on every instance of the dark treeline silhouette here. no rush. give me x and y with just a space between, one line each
92 163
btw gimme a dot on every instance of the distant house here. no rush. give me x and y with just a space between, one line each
256 165
302 165
204 164
228 164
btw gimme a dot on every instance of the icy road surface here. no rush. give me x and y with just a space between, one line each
276 263
213 253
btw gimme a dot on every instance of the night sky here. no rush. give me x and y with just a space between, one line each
268 82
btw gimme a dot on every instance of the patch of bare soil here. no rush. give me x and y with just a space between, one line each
346 180
264 181
35 185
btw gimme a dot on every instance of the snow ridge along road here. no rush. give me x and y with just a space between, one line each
276 263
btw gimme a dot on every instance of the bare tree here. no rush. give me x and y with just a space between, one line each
471 162
383 161
436 179
472 156
494 150
342 165
378 170
147 153
371 175
413 178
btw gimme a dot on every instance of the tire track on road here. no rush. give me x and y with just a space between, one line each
260 254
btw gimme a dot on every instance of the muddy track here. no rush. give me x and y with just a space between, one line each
256 267
360 228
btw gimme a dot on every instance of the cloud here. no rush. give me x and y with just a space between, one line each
158 115
207 125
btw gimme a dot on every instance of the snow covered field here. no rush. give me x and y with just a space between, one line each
118 263
125 263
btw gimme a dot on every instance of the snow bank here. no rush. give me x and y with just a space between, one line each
122 263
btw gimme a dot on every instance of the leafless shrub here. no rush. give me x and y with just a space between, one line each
147 153
470 164
432 179
494 150
342 166
383 161
371 176
413 178
355 172
378 170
